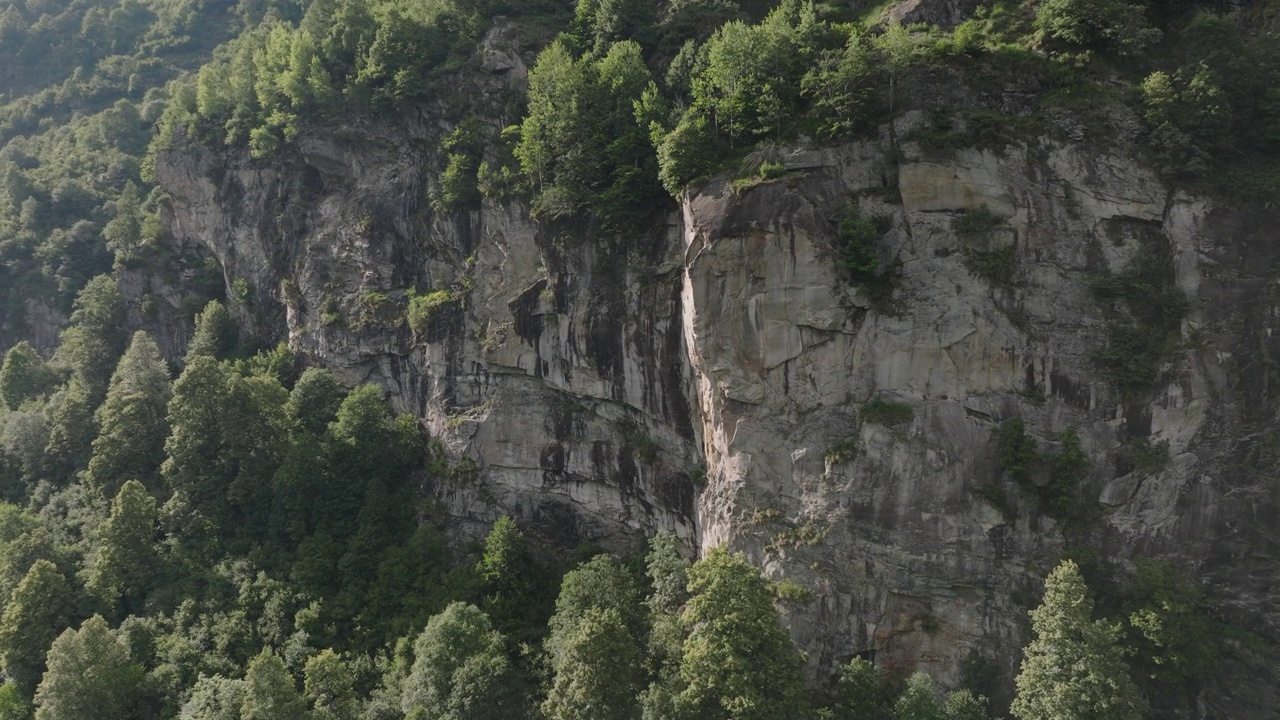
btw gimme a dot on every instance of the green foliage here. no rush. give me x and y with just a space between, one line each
843 86
24 376
1169 624
226 441
596 668
1073 668
71 431
581 142
767 170
1016 450
1148 308
314 401
1143 456
329 687
883 412
965 705
602 583
686 153
1111 25
857 240
667 572
13 706
215 698
918 701
270 692
95 338
263 85
751 81
998 267
423 310
515 595
132 420
858 693
1069 467
792 592
974 224
36 613
771 170
376 312
460 671
898 47
128 555
1017 456
842 452
737 663
597 24
215 334
90 676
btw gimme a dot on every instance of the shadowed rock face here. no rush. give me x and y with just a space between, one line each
709 375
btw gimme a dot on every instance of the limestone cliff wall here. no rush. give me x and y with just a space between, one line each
696 377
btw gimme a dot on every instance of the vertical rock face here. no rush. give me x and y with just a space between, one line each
552 369
712 376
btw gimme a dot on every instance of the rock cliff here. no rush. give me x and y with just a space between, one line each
712 375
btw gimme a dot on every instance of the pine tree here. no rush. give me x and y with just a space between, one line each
1074 669
215 335
72 429
228 437
511 581
23 376
90 676
93 341
38 610
127 552
130 443
123 234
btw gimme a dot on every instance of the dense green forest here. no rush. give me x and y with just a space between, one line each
248 540
234 535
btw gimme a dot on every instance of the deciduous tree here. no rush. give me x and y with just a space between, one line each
738 663
270 692
23 376
90 676
38 610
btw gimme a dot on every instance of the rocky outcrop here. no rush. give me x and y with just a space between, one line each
711 376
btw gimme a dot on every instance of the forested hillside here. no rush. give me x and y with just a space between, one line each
205 518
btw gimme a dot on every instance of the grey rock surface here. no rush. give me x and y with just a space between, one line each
710 376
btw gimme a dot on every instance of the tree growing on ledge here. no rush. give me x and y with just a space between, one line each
1074 669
